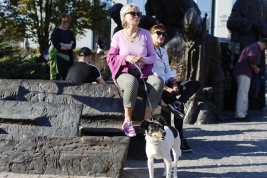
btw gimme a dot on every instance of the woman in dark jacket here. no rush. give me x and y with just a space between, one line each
64 41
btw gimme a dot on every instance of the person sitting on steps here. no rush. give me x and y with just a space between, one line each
130 48
82 71
172 88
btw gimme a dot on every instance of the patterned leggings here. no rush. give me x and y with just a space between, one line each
129 84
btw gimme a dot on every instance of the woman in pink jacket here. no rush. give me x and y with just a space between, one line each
132 47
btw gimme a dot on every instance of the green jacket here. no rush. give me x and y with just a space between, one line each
53 53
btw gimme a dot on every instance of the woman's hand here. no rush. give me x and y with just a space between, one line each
131 59
135 59
66 46
175 87
63 46
140 58
174 90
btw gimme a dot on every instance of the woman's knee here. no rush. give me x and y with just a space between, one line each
126 81
156 81
132 83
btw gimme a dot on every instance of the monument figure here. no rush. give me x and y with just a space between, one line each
114 12
165 11
196 55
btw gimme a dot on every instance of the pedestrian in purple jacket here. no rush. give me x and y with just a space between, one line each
243 72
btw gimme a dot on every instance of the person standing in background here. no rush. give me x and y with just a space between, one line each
26 45
100 45
247 24
243 72
63 43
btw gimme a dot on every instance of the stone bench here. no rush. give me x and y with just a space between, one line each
40 119
102 111
42 138
9 87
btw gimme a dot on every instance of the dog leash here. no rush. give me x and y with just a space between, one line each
146 90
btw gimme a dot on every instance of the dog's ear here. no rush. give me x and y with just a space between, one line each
162 120
144 124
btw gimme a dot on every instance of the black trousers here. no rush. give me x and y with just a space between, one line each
63 67
186 90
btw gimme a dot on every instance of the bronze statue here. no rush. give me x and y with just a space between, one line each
247 24
114 13
170 13
196 55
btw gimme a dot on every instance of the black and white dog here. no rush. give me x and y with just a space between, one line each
160 139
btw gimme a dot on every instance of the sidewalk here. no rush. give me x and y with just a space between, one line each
226 149
232 149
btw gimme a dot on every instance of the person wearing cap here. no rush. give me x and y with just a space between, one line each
82 71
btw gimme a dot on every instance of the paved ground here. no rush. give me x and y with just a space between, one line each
231 149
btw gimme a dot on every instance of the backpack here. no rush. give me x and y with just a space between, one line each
45 54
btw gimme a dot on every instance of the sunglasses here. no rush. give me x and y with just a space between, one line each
160 33
138 14
66 22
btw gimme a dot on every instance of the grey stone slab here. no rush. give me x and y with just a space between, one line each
79 156
9 89
97 99
39 118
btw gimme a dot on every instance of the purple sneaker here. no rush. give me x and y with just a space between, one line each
128 129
